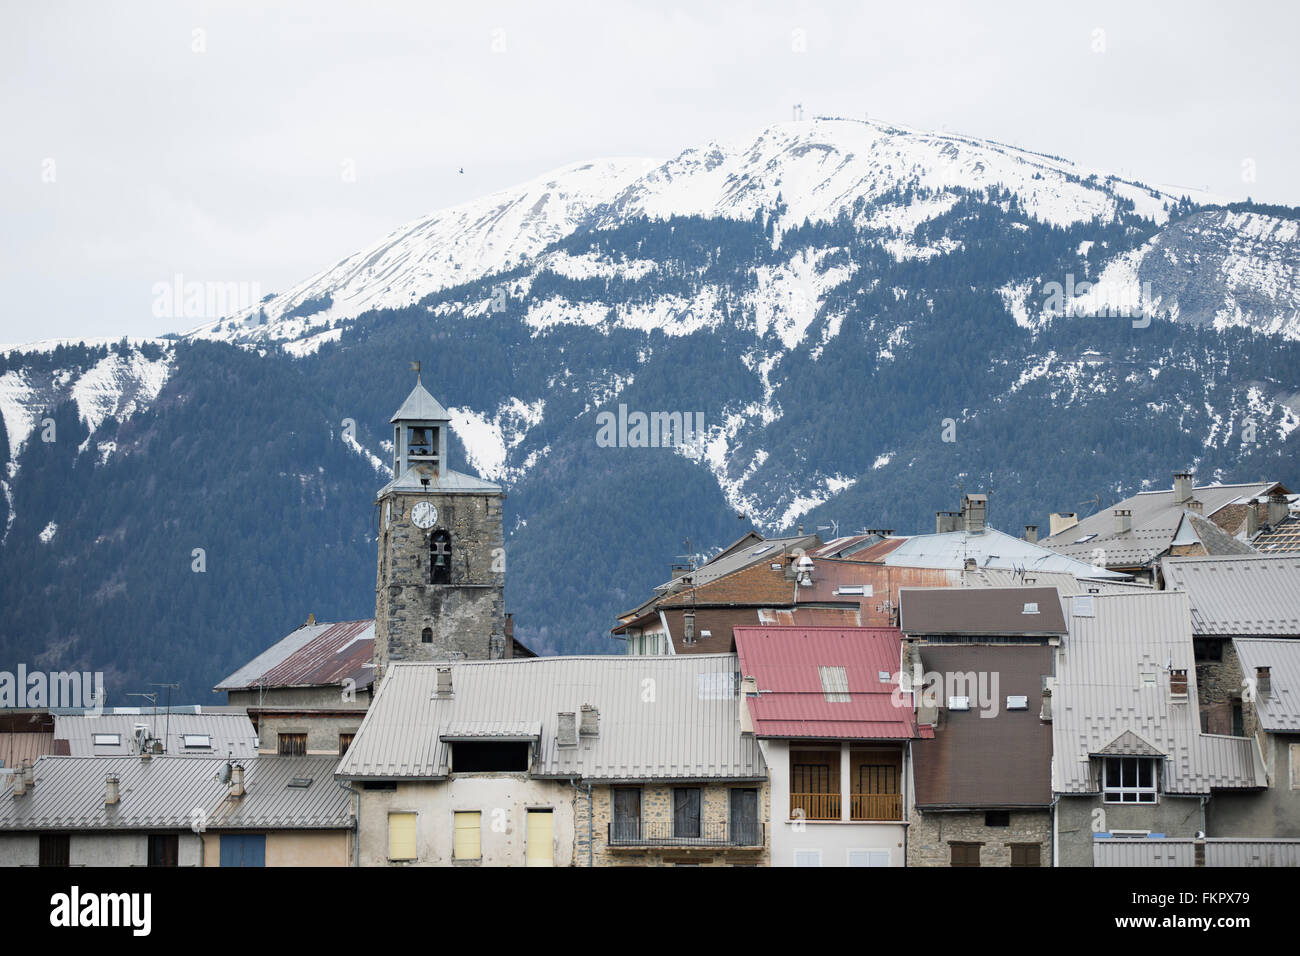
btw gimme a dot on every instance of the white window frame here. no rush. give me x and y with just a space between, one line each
107 740
1115 794
188 741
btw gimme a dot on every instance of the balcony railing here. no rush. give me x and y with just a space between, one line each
814 806
876 806
862 806
665 833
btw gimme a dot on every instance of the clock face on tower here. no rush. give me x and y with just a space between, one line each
424 515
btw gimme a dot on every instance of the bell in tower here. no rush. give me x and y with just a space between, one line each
439 592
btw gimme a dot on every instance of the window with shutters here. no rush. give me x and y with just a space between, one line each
164 849
345 741
55 849
401 836
293 745
965 854
540 838
744 817
626 827
467 844
868 858
1026 854
686 811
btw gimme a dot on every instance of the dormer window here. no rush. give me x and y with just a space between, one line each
1129 780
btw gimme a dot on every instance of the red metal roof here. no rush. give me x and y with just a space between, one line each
792 702
336 654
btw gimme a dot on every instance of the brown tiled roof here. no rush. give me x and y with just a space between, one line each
1001 761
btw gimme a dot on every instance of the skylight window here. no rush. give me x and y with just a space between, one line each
835 684
197 741
1085 539
300 783
108 740
1031 608
763 549
1017 702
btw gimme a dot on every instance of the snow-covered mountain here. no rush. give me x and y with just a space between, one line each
812 171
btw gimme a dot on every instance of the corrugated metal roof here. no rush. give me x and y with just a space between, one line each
1066 584
420 406
1279 709
989 548
19 748
445 481
770 549
673 717
1011 611
1154 522
492 729
313 655
792 699
1239 595
165 793
1182 852
1112 678
227 733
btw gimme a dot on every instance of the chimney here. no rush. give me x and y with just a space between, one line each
748 689
1046 712
1031 533
1194 506
946 521
973 510
510 634
1182 486
1252 521
1061 521
1277 509
589 725
1123 520
566 729
1263 682
444 681
111 791
237 780
20 781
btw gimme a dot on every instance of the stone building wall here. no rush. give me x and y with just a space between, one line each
657 808
930 835
466 617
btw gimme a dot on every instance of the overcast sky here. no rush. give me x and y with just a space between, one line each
128 156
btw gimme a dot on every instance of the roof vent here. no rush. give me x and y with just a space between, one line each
567 729
444 681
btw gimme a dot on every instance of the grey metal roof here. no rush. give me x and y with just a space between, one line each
1112 679
491 730
1279 709
164 793
674 717
990 548
228 733
1182 852
420 406
1066 584
445 482
1239 595
1154 523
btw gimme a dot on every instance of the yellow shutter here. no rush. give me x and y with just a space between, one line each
466 846
540 845
401 836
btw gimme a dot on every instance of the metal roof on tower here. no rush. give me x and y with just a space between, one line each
420 406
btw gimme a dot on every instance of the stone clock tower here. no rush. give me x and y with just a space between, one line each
439 593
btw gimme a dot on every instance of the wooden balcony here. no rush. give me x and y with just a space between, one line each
814 806
876 806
